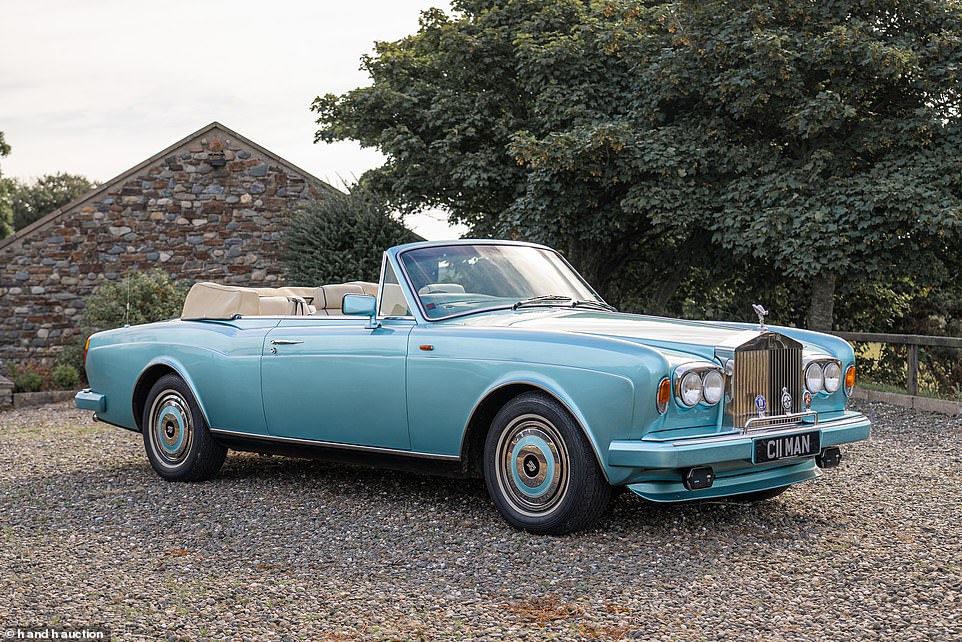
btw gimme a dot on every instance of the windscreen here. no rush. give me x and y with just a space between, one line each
458 279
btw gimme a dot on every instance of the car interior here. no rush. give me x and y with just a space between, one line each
208 300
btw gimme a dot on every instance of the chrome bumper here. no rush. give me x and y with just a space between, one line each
730 446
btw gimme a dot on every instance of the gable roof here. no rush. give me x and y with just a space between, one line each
46 220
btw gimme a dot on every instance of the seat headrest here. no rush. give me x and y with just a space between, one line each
329 297
369 288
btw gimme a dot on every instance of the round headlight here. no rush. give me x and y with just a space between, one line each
689 389
833 376
713 387
813 378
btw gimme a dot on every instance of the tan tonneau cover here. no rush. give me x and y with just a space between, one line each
214 301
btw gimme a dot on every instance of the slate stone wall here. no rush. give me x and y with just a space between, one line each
181 212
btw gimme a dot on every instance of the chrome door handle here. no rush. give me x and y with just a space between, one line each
284 342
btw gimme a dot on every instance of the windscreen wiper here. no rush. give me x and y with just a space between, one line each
593 304
548 299
541 300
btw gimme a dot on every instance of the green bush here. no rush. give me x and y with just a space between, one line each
152 296
66 377
28 381
72 354
339 237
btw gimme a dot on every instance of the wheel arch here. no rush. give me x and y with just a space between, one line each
151 375
483 413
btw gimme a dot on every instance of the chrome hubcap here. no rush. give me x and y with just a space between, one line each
532 465
170 428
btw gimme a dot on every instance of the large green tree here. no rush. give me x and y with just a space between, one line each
838 128
818 143
31 201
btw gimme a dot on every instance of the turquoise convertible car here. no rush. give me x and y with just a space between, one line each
482 358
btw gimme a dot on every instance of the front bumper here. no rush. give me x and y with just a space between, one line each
87 399
729 483
728 447
653 469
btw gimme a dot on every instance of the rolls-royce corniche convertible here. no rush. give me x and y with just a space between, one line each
489 359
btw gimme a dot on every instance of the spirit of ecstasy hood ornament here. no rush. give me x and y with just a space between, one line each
761 312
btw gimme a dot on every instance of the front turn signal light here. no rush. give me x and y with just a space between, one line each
849 380
664 396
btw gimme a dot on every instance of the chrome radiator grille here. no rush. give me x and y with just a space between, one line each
766 372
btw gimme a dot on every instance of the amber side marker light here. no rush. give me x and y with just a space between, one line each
86 347
664 396
849 380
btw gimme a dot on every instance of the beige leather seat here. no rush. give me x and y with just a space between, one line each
328 299
214 301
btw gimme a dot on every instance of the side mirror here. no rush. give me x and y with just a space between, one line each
361 305
358 305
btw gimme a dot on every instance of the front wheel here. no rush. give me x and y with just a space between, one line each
176 437
540 470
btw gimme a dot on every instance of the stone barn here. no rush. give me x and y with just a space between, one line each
207 207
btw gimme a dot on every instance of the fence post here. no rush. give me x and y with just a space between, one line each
912 369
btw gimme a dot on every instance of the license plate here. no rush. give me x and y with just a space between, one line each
803 444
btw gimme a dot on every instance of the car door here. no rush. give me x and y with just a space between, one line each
333 379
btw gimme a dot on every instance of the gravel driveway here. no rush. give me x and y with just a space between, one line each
279 548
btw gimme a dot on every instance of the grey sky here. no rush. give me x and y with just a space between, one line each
95 87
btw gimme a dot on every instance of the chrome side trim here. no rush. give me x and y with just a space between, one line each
334 444
735 436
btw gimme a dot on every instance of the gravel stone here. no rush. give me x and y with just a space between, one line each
279 548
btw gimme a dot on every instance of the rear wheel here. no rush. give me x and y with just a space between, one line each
540 470
176 437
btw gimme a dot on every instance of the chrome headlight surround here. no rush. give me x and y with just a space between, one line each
817 372
690 384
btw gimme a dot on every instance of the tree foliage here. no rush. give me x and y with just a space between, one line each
6 187
138 297
817 145
338 238
31 201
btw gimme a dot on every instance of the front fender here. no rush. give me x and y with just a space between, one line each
602 414
443 395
